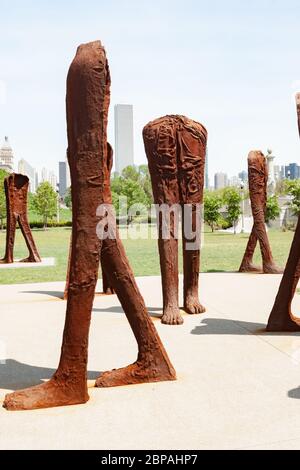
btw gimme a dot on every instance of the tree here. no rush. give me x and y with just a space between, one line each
232 200
130 172
68 198
212 206
45 201
134 183
292 187
3 175
272 208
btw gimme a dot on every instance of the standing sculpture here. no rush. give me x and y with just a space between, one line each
258 178
175 147
281 317
88 95
16 189
107 288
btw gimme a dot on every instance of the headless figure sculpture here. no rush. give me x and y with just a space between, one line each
281 317
175 147
258 178
16 189
107 288
88 94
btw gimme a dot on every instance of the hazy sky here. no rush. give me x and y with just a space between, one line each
232 65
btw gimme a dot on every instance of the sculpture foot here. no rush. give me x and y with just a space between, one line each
5 261
108 291
30 259
250 268
137 373
47 395
171 316
289 324
272 269
193 306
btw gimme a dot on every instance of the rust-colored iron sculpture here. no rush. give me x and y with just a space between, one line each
281 317
258 178
175 147
107 289
88 95
16 190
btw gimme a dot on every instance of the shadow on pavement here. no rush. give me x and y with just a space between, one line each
16 375
294 393
224 326
52 293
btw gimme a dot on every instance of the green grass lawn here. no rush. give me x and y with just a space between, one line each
221 252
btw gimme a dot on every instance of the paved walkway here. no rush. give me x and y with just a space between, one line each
237 387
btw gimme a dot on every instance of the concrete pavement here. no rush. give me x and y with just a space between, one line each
238 387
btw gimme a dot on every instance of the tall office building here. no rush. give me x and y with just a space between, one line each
6 156
53 180
44 175
292 171
243 175
26 169
123 136
36 180
62 178
221 180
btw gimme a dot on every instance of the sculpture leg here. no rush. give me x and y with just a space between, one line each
191 266
269 266
87 107
106 284
281 317
26 231
161 150
11 223
152 364
247 265
168 255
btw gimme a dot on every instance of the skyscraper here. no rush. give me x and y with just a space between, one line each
6 156
53 180
123 136
243 175
62 177
292 171
26 169
221 180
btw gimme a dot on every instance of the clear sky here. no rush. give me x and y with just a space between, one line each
232 65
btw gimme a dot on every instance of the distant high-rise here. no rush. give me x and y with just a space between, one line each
243 175
53 180
6 156
36 180
62 178
123 136
234 181
44 175
221 180
279 172
26 169
292 171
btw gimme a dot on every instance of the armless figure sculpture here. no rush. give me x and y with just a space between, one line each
16 190
88 95
281 317
258 178
175 147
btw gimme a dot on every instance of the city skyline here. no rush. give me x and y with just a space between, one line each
216 63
